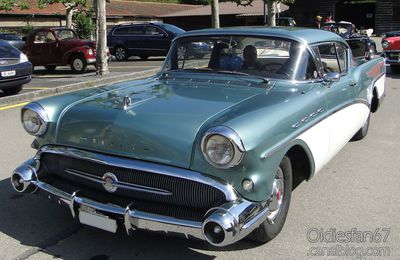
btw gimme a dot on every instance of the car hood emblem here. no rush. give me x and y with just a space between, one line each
110 182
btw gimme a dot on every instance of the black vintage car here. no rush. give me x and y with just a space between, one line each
361 45
15 69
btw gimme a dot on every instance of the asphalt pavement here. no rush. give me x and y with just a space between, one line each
355 194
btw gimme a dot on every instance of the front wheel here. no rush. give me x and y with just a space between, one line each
78 64
279 206
363 131
143 57
120 54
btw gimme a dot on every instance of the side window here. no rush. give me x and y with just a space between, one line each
44 37
136 30
151 30
342 57
121 31
328 57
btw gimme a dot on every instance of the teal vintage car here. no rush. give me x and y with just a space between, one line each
210 147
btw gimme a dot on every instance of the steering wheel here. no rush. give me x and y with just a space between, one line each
270 67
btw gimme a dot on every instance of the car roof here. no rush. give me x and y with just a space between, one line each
303 35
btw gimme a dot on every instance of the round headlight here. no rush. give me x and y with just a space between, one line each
385 44
219 149
34 119
222 147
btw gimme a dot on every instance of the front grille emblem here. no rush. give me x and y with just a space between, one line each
110 182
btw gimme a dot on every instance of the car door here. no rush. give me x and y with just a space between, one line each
156 40
343 112
43 49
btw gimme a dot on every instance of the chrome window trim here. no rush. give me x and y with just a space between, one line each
226 188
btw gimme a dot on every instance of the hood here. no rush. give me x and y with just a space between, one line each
79 42
7 51
159 125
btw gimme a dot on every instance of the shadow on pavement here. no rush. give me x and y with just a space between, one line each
38 223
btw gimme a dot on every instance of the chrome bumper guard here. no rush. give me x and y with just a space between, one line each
222 225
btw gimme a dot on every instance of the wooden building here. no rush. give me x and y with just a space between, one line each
381 15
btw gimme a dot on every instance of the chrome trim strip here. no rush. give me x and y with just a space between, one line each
119 184
227 189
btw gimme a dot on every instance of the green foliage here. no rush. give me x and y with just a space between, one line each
9 5
67 3
83 24
27 28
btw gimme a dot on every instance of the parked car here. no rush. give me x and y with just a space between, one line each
285 21
59 46
12 39
209 147
15 69
361 45
391 50
143 40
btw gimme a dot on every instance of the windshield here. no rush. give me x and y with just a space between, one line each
241 55
12 37
66 35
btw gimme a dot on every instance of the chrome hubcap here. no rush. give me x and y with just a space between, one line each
120 53
78 64
278 192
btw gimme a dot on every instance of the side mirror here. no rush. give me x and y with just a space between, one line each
24 38
331 77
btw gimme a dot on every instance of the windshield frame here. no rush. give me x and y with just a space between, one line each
306 48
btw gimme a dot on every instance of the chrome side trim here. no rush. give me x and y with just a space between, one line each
119 184
227 189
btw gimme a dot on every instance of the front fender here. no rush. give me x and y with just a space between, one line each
82 50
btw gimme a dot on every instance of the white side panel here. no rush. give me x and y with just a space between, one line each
380 86
329 136
344 124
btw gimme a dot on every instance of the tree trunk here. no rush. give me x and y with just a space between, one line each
215 14
69 13
271 12
101 36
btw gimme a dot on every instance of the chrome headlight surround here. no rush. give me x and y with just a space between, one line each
385 44
34 119
233 139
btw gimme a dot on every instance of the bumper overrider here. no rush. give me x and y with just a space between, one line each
221 225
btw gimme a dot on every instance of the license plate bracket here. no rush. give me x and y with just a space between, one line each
8 73
91 217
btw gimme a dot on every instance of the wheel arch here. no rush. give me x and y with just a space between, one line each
302 162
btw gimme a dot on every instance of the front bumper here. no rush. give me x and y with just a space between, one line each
223 225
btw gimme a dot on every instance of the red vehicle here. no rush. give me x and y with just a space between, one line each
52 47
391 50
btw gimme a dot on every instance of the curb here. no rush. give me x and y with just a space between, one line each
31 96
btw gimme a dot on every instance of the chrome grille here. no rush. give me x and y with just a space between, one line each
184 193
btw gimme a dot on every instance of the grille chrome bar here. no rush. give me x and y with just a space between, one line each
119 184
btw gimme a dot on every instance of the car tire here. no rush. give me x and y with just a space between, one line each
12 91
268 230
78 64
143 57
120 53
395 68
363 131
50 67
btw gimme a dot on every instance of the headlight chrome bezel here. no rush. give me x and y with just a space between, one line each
385 44
41 115
232 137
